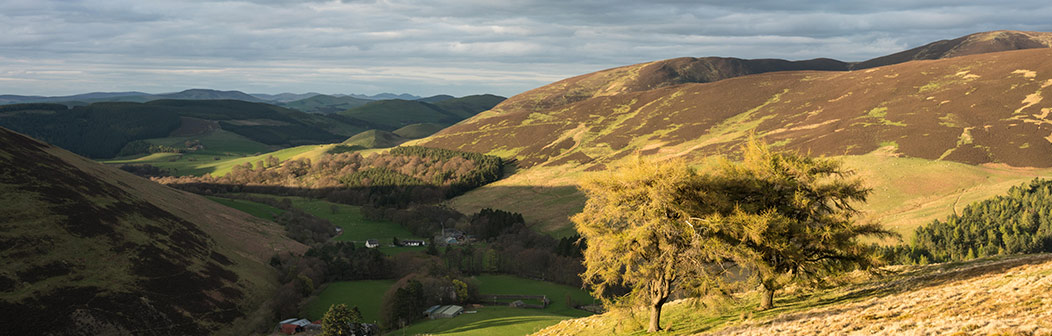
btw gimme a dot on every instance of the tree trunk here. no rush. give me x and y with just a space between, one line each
655 315
766 297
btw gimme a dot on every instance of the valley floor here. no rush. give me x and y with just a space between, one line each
1010 296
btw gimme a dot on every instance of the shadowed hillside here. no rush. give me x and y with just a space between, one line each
89 249
392 114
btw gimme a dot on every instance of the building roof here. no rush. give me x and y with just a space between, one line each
450 310
431 310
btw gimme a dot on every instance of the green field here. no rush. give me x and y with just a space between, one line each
229 150
502 320
348 217
557 294
487 321
367 295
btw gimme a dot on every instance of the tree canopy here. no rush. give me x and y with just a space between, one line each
341 320
638 234
787 217
656 226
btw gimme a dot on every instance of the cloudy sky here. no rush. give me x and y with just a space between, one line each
459 47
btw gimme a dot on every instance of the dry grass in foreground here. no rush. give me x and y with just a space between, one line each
1004 296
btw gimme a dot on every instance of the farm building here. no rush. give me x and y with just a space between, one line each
413 243
372 243
450 311
295 325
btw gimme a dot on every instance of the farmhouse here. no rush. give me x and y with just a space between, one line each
372 243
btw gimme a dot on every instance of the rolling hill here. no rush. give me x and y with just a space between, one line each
979 119
326 104
89 249
101 130
209 94
392 114
416 131
375 139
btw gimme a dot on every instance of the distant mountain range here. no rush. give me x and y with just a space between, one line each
197 94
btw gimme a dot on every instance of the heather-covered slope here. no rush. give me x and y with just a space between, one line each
89 249
981 121
986 108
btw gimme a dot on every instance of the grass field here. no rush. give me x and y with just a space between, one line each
557 294
220 159
348 217
502 320
366 294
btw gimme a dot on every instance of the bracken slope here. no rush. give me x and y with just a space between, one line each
90 250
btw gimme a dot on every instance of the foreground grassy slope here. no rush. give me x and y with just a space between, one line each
91 249
1006 295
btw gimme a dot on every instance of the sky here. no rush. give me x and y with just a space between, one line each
458 47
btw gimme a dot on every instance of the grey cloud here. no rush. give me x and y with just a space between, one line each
432 46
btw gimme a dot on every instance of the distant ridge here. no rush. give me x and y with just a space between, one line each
385 95
284 97
208 94
978 43
676 71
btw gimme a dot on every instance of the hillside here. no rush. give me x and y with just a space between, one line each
1005 296
980 119
392 114
326 104
416 131
102 130
89 249
284 97
208 94
375 139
